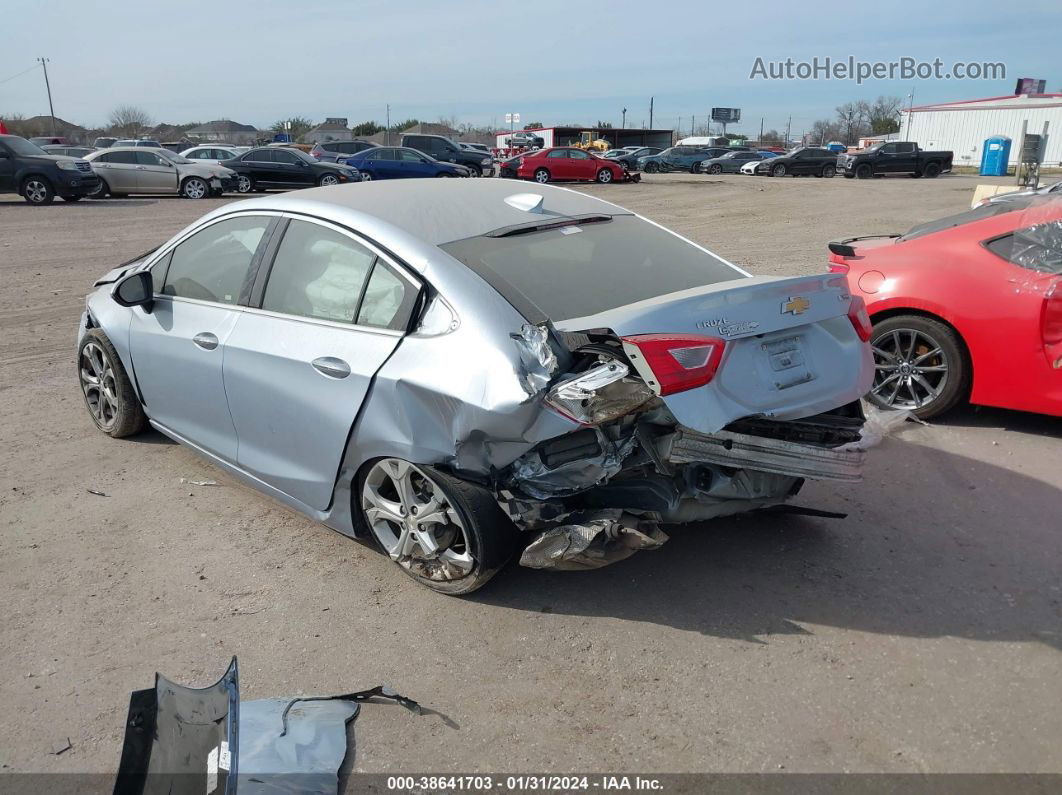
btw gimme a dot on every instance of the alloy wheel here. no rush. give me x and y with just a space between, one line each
542 176
243 184
604 176
98 384
329 179
36 191
195 188
414 521
911 370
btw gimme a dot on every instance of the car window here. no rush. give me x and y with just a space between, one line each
212 264
578 154
259 156
317 272
285 157
119 157
1037 248
888 149
149 159
409 156
559 153
388 300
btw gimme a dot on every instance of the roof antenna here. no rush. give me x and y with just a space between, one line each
528 202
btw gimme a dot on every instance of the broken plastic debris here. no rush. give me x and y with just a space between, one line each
879 424
97 492
601 538
199 482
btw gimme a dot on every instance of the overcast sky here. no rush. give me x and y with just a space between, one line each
554 62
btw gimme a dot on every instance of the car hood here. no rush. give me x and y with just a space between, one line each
203 170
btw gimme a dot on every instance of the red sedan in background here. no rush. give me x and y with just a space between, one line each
562 163
969 306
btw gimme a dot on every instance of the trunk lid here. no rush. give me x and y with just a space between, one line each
790 349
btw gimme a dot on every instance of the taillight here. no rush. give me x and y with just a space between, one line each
857 313
840 267
678 361
1051 324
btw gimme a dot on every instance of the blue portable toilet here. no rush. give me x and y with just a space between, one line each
995 156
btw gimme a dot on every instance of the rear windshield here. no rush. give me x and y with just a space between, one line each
967 217
578 270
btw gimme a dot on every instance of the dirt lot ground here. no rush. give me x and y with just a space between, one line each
922 633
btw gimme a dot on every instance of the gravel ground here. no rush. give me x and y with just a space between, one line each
922 633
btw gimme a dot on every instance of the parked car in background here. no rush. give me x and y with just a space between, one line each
836 146
145 142
286 168
214 153
894 157
140 169
806 161
38 176
525 139
44 140
731 162
565 163
468 146
69 151
629 155
965 307
104 142
449 371
397 162
444 150
753 166
679 158
334 151
1046 190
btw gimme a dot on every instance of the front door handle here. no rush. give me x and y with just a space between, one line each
206 340
331 366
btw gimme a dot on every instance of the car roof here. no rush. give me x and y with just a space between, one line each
434 211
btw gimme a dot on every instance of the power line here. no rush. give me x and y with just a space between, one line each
7 79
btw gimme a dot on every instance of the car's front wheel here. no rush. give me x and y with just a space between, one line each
604 176
715 169
109 395
244 184
828 171
100 191
194 188
778 171
445 533
37 191
651 168
919 365
328 180
864 171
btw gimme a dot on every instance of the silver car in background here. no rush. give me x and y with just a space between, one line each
214 153
127 170
454 370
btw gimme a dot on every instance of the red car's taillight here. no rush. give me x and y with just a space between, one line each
679 361
857 313
1051 324
840 267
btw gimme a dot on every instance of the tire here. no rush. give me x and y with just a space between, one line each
468 551
102 191
604 176
651 168
366 176
476 170
828 171
72 198
864 171
194 188
933 362
37 191
444 175
114 408
931 171
915 175
849 176
695 168
244 184
778 171
716 169
541 176
327 180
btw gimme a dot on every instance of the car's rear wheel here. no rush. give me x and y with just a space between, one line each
328 180
778 171
474 170
445 533
542 176
194 188
604 176
244 184
651 168
828 171
864 171
919 365
37 191
109 395
931 170
716 169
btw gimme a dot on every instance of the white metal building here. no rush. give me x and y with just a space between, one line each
963 127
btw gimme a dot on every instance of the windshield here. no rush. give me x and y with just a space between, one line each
20 146
176 158
578 270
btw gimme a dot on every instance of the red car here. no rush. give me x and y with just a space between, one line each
966 307
561 163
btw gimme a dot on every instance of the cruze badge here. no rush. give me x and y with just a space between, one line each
796 305
726 328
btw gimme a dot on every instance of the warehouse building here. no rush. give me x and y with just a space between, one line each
963 127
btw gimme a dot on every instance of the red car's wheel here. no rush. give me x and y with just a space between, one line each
604 176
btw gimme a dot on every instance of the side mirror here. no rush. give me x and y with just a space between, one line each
135 290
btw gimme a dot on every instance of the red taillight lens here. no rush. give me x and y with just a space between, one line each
857 313
1051 315
679 361
840 267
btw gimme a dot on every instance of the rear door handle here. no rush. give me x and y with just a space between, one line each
331 366
206 340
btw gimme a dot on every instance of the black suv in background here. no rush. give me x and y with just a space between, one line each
479 163
39 177
334 151
806 161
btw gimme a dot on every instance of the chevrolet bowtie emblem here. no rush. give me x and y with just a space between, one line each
796 305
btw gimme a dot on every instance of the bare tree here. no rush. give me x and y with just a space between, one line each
884 115
129 120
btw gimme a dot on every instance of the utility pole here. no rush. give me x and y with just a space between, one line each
47 85
623 124
650 113
388 135
761 130
693 123
788 124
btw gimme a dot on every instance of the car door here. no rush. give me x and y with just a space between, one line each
260 165
559 163
119 170
385 163
155 174
583 166
413 164
906 158
7 169
178 348
332 309
290 171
